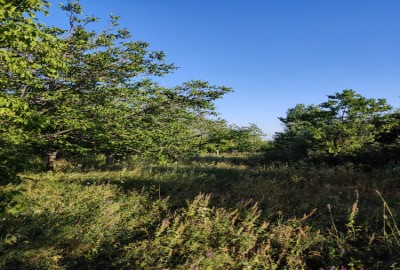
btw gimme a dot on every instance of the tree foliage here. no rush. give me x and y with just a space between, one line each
216 135
87 92
84 92
21 57
336 128
26 48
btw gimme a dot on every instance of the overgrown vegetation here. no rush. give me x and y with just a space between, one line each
102 168
221 216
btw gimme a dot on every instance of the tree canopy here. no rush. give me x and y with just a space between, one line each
90 92
84 92
336 128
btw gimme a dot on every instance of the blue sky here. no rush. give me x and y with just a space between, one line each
274 54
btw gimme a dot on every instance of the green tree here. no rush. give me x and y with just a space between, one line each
247 138
179 113
211 135
101 100
216 135
297 140
25 50
336 128
387 145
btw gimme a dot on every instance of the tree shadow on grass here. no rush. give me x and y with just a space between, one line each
276 190
179 183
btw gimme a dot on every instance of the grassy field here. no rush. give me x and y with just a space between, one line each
215 213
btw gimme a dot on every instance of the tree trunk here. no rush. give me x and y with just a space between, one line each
51 160
109 160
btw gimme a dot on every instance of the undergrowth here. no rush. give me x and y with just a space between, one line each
215 215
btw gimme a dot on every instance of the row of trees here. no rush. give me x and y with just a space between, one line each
347 127
83 92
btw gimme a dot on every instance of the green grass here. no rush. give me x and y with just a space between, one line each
216 213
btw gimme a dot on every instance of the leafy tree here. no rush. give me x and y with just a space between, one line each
25 50
387 144
177 116
159 126
14 117
296 141
101 100
25 47
97 88
247 138
354 121
215 135
336 128
210 135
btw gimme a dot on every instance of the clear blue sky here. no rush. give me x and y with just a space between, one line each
274 54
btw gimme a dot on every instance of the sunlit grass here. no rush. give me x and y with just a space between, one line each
219 213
